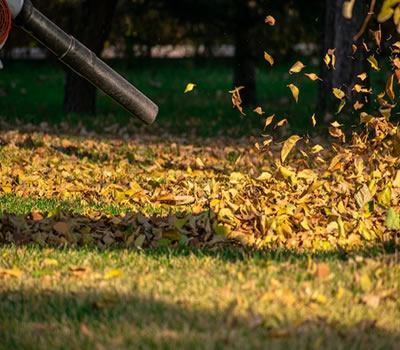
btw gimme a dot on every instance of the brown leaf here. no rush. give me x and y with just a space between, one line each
323 270
270 20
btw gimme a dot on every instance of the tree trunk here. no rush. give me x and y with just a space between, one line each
245 60
338 34
93 30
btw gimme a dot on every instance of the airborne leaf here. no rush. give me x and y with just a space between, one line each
189 87
280 123
314 122
270 20
312 76
259 111
268 121
348 9
296 68
288 146
338 93
268 58
362 76
389 88
373 62
295 91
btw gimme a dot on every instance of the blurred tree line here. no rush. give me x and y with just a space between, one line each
134 27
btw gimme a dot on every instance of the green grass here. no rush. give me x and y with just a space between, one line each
33 92
197 300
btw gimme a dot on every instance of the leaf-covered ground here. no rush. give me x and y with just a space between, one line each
165 191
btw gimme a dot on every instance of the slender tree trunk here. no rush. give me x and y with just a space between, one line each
93 30
245 60
338 34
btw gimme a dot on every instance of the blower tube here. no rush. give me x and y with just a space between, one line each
82 60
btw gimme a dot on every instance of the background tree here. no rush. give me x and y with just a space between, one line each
93 29
338 34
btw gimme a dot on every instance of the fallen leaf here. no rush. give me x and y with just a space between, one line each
14 272
323 270
113 274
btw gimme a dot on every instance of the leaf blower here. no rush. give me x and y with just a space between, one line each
76 56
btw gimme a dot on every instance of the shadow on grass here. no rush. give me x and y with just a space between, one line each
97 319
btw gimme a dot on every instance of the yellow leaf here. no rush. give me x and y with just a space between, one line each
6 188
113 274
264 176
288 146
285 172
389 88
268 58
354 47
49 262
189 87
373 62
296 68
268 121
338 93
335 124
332 53
312 76
14 272
348 9
362 76
341 105
295 91
357 105
259 111
314 122
280 123
270 20
317 148
327 60
365 283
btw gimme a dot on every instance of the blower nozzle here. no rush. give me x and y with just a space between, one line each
81 60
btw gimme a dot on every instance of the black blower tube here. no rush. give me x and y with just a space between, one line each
85 63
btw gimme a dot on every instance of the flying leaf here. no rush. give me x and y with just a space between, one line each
296 68
280 123
338 93
288 146
341 106
389 88
314 122
327 60
362 76
357 105
270 20
268 121
268 58
348 9
312 76
335 124
295 91
189 87
354 47
236 99
377 36
373 62
259 111
333 57
365 46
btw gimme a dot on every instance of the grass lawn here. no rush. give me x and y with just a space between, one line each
185 234
120 299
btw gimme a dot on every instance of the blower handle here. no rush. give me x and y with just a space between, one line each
85 63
